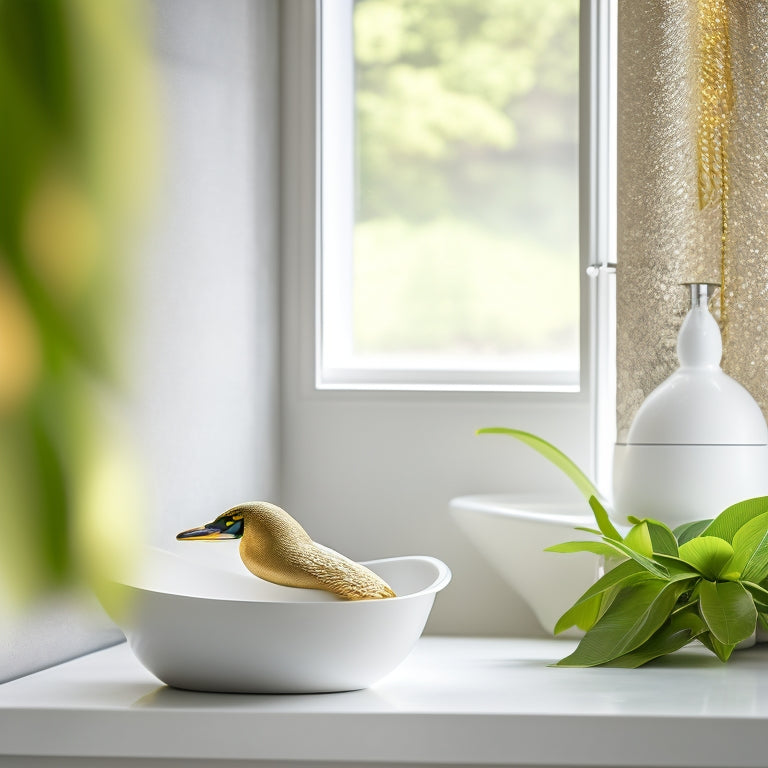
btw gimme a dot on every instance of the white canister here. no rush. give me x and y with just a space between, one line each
699 442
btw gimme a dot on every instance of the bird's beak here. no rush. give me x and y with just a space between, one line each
209 531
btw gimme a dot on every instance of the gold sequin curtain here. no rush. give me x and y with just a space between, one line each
692 186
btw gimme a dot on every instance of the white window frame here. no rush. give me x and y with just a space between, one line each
302 235
336 366
598 158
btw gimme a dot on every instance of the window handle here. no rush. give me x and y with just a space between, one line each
593 270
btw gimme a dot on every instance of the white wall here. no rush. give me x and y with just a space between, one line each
208 353
374 479
205 406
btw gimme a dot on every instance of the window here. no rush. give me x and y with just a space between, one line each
449 179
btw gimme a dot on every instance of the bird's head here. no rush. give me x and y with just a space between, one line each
226 526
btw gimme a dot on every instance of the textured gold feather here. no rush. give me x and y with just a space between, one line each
276 548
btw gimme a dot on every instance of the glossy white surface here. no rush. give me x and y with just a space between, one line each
680 483
698 443
699 404
454 700
202 622
513 532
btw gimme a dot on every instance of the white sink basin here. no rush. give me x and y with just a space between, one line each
207 624
512 533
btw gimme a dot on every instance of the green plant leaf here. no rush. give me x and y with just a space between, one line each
679 630
657 569
596 547
734 517
587 530
603 520
674 564
639 539
630 621
728 611
626 573
750 546
692 578
687 600
709 555
548 451
582 614
760 594
662 538
723 652
688 531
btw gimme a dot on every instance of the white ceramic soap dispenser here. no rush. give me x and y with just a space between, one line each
699 442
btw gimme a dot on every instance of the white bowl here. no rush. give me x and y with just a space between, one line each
513 532
210 628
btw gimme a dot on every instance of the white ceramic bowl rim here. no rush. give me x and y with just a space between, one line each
535 510
441 580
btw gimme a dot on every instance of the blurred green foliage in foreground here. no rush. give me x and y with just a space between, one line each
75 148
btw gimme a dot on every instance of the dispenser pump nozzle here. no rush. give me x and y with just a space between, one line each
701 293
699 344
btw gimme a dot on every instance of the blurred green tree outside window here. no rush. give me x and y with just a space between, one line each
466 198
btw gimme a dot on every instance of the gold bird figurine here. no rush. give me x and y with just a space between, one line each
274 547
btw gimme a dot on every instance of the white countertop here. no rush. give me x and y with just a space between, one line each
453 701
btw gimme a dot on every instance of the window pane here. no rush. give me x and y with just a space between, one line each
465 231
